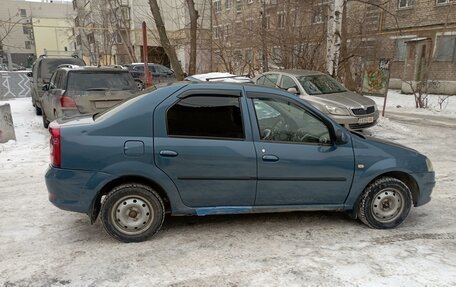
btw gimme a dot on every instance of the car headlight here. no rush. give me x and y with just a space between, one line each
337 111
430 167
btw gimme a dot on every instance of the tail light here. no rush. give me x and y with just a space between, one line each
67 102
54 129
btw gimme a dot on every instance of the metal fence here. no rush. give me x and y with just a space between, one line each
14 85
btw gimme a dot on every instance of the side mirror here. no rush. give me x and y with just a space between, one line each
293 91
341 137
45 87
30 74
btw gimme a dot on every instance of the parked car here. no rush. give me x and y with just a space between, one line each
74 90
326 94
42 69
217 148
160 74
218 77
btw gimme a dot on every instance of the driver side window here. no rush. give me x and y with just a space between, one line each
284 121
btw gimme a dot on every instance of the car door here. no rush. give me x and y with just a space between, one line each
202 142
298 163
46 99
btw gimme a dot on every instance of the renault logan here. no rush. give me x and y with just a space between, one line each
218 148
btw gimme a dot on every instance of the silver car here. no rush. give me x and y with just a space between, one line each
326 94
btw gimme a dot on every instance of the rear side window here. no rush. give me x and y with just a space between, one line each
270 80
206 117
48 66
100 81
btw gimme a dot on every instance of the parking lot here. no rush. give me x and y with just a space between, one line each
41 245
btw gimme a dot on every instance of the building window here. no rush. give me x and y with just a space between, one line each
281 20
249 1
227 30
217 6
91 38
446 48
228 4
23 12
277 55
442 2
26 29
117 37
216 32
238 6
249 24
28 45
406 4
215 117
79 40
237 55
268 22
295 18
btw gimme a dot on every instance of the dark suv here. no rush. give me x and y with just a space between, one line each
42 70
79 90
160 74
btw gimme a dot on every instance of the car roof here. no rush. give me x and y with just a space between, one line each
75 68
296 72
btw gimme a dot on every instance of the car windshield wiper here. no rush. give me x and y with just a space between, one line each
97 89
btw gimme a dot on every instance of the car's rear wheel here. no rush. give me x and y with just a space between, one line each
45 121
385 203
132 213
38 111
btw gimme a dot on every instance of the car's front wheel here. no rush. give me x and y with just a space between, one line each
132 213
385 203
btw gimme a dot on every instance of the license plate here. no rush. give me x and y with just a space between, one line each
367 120
105 104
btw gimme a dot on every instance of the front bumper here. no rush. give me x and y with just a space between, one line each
426 183
74 190
353 121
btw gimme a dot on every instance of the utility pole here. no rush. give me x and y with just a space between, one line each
263 37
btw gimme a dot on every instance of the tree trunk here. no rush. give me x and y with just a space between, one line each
193 29
169 50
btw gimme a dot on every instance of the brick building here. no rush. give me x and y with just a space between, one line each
419 37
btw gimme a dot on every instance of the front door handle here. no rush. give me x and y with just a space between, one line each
168 153
270 158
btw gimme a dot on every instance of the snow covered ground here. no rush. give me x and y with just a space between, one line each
41 245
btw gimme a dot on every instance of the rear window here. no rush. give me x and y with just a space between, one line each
48 66
100 81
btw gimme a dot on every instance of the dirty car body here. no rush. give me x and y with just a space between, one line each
75 90
203 149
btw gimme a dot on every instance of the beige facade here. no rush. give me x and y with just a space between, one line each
18 17
99 21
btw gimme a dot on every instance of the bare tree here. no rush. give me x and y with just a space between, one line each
169 49
193 13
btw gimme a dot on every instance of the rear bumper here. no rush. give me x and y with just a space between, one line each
426 183
74 190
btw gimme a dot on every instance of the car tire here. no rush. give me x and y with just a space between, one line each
38 110
385 203
45 121
140 85
132 213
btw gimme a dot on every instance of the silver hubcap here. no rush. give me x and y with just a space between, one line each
387 205
132 215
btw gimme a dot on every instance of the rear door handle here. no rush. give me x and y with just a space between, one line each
270 158
168 153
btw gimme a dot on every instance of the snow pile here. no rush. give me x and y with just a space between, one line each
440 105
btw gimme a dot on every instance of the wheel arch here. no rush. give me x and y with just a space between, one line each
96 204
406 178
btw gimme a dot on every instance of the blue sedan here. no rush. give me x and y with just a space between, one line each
219 148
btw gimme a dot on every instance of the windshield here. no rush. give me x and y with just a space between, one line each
100 81
48 66
320 84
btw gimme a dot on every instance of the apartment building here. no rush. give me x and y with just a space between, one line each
251 34
23 24
419 37
110 31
